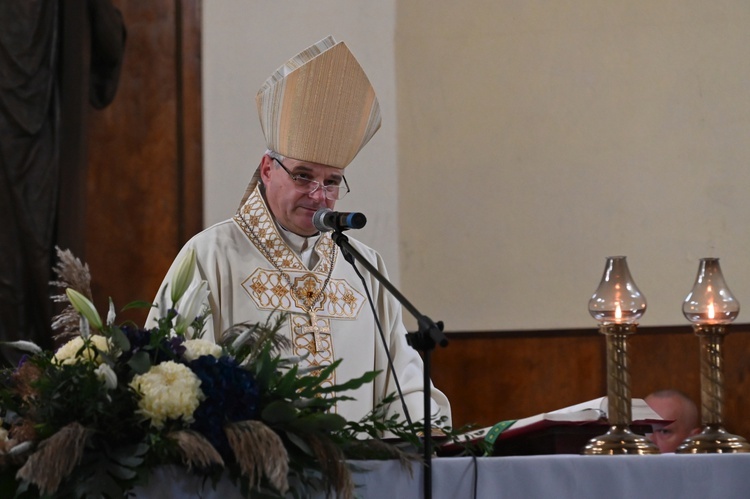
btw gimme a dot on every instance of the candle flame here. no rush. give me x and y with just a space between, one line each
618 311
711 311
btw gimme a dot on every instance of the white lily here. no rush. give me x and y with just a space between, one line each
84 307
192 302
111 315
83 326
25 346
183 276
292 360
242 338
304 371
106 375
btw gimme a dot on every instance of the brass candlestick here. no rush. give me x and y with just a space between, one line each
617 305
710 306
619 439
713 438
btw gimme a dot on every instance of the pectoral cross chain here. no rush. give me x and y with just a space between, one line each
316 331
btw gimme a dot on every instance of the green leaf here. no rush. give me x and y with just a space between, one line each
130 456
286 385
140 363
99 485
266 368
138 304
119 339
121 472
352 384
328 421
279 411
299 442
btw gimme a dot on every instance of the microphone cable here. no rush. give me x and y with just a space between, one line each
392 368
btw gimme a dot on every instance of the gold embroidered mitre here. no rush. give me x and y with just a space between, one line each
319 106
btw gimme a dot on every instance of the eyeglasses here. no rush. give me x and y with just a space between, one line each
308 186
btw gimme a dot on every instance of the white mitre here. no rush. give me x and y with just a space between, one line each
319 106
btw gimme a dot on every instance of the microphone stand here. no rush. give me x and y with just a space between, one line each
424 340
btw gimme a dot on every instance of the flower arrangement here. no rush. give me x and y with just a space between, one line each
115 401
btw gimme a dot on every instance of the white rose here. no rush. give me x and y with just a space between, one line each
199 347
71 352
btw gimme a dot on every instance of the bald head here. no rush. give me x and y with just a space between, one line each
677 407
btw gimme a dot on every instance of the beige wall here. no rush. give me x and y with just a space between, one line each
538 137
522 143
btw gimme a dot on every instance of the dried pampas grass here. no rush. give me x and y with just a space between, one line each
71 273
259 452
196 450
55 458
332 462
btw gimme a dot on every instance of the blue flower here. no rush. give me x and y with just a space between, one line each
159 346
231 395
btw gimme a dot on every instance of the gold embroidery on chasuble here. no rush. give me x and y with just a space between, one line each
269 290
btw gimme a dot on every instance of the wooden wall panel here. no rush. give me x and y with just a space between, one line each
736 349
491 377
190 118
664 360
145 180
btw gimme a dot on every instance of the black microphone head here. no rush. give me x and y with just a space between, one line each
319 220
356 220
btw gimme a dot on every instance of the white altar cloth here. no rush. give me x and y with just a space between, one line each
725 476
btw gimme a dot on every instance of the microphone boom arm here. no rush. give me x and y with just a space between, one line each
428 335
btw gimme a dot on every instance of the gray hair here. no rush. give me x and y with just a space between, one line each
274 155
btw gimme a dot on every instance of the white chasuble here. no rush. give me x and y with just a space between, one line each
300 292
335 323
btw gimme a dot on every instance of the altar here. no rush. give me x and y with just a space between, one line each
664 476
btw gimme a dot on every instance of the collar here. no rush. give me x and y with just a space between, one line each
295 241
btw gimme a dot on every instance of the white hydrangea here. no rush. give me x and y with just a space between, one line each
168 391
68 353
200 347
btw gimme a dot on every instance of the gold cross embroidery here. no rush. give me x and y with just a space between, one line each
309 292
316 331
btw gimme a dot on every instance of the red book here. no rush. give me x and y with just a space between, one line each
559 425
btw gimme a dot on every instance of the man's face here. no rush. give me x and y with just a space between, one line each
669 437
293 209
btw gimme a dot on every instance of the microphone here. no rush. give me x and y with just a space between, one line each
326 220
